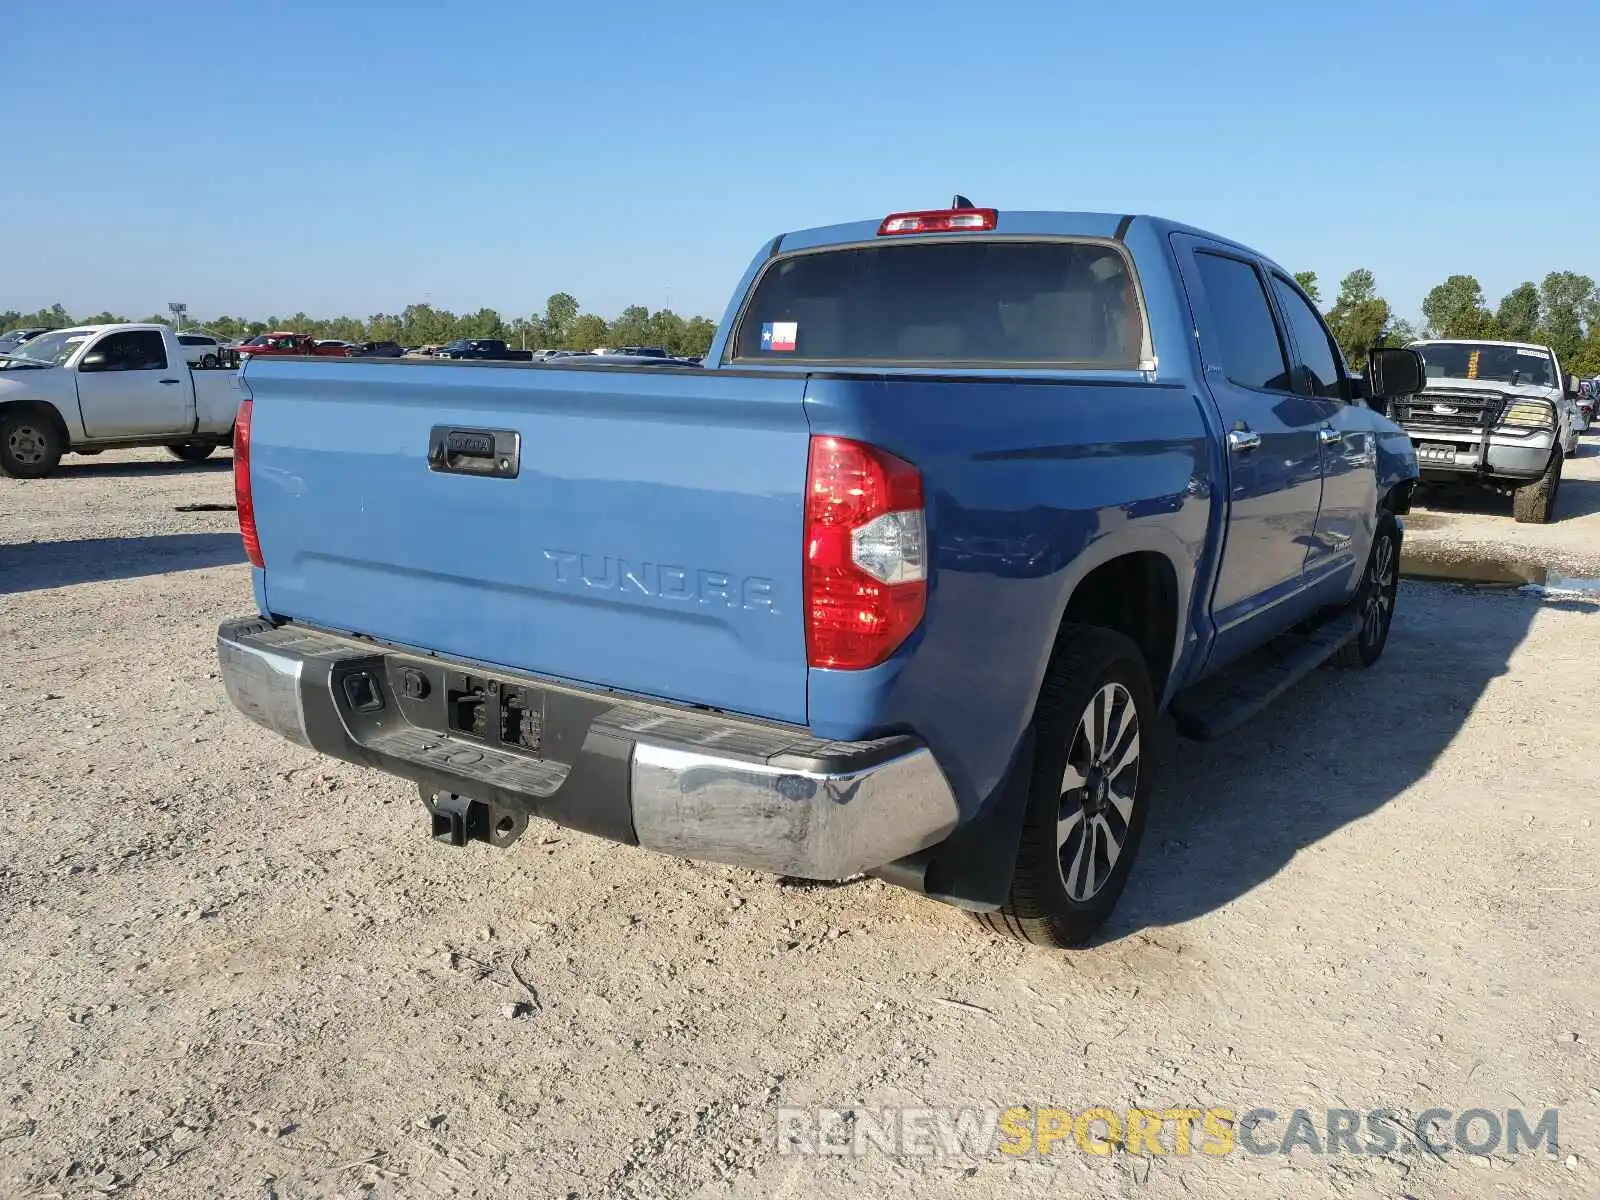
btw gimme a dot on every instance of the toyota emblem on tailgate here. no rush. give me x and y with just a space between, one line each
496 453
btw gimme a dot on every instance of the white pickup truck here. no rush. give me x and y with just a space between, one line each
104 387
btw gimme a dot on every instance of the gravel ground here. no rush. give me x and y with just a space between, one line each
231 968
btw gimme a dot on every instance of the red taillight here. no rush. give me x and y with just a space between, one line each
940 220
866 569
242 495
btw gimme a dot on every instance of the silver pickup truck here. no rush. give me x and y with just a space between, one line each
1499 414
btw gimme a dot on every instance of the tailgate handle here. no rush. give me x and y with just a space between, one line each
456 450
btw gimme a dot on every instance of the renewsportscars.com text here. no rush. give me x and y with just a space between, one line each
1022 1130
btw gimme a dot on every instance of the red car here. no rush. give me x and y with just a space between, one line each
293 343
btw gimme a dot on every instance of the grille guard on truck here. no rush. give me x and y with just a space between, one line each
1457 415
693 784
1475 411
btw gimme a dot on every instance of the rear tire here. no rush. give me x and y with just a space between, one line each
192 452
1375 599
208 361
1535 503
30 444
1087 794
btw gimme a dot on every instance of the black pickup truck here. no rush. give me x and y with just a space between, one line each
486 348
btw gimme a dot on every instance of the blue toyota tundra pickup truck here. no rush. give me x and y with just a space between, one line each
898 582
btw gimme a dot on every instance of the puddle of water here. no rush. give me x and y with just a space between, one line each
1452 564
1560 586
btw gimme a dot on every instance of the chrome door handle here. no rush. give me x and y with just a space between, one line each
1242 441
1329 436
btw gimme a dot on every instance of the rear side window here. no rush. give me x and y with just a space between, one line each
1252 351
1312 339
949 303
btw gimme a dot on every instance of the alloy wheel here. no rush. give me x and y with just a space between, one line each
1381 585
1098 790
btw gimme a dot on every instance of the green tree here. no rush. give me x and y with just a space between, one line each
383 327
424 325
1455 309
1586 362
560 311
54 317
524 333
665 328
226 327
697 335
1570 306
1519 312
346 329
587 332
1400 333
1359 317
1308 284
563 323
632 326
485 323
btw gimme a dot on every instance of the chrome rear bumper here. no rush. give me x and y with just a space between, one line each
681 782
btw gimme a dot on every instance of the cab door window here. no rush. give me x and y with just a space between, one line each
133 350
1253 353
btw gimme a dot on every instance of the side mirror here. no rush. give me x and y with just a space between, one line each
1392 373
92 362
1570 385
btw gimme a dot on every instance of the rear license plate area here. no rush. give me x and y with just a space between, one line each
506 715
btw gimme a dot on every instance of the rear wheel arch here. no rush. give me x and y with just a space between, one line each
975 867
1076 794
1135 594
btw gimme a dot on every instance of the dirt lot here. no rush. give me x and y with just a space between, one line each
231 968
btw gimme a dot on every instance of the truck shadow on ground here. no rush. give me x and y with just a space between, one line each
1229 815
41 565
1578 498
81 468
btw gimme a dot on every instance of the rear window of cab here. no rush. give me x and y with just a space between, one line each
977 303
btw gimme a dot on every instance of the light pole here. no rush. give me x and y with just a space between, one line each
177 311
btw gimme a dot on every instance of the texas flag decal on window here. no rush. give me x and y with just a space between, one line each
780 335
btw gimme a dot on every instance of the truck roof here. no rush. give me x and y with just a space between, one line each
102 328
1012 222
1472 341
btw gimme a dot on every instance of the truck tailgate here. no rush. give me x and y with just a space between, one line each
650 539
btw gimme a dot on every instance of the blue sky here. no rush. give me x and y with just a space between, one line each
350 158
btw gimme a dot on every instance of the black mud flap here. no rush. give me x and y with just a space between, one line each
972 868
